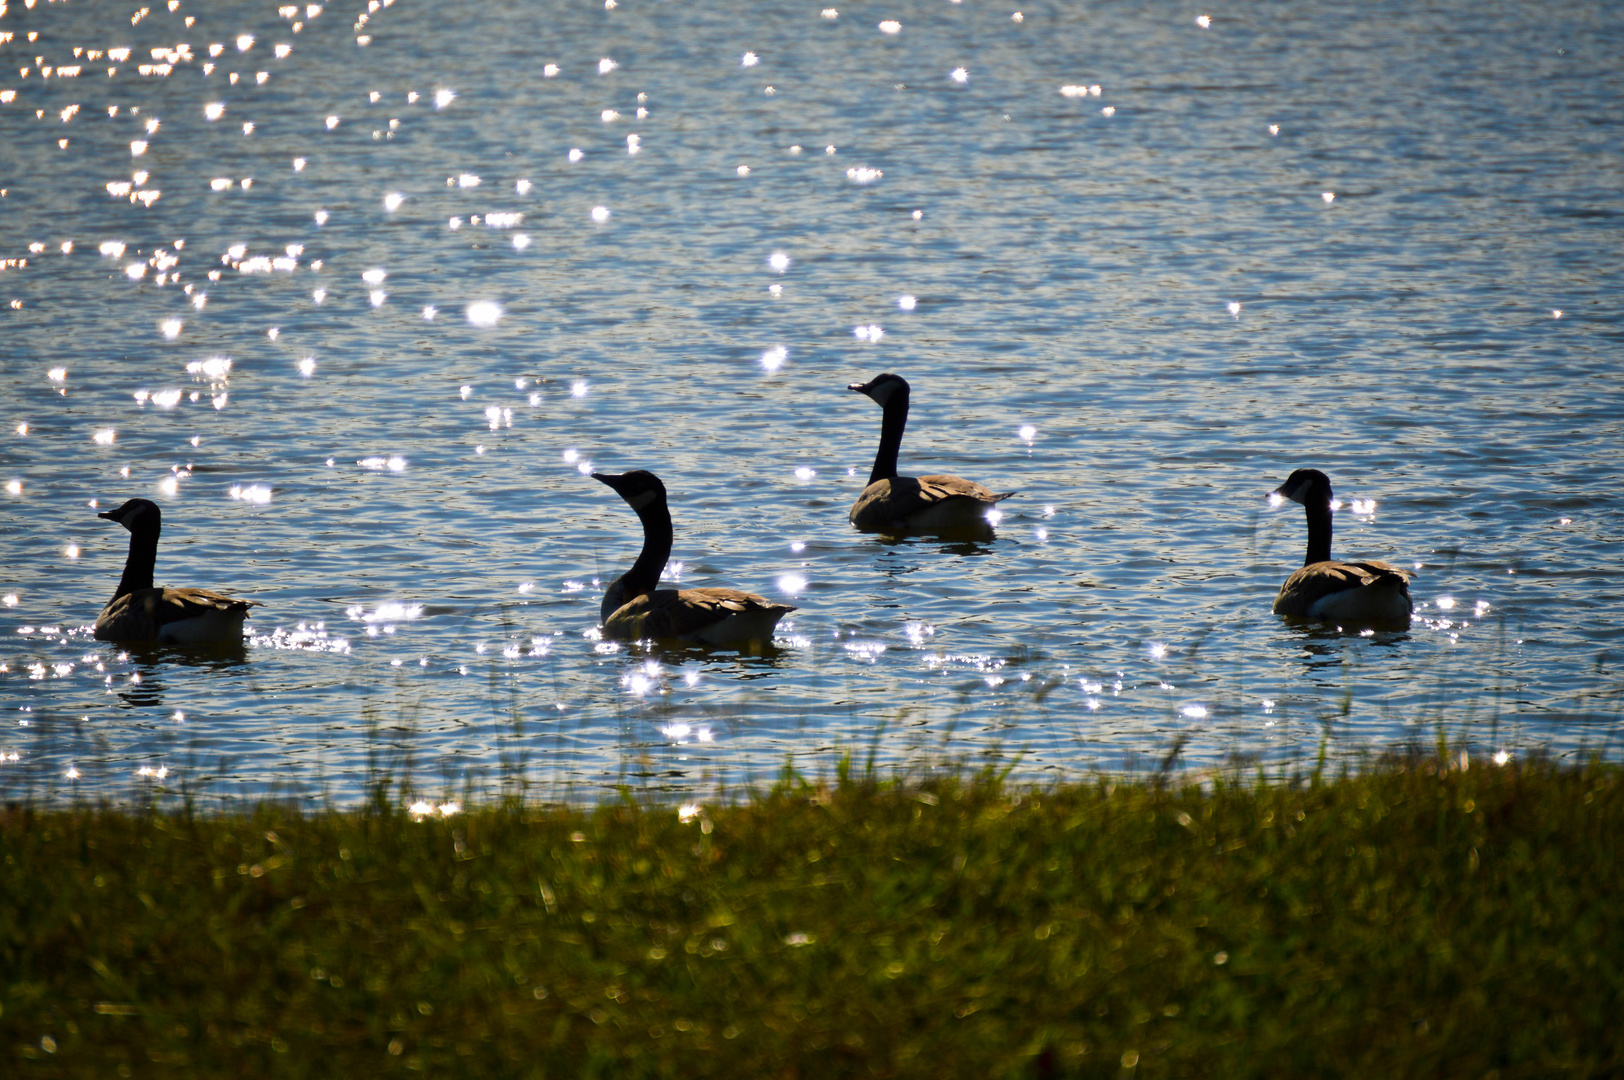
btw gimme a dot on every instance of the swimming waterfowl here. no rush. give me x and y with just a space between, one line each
140 612
1351 593
634 609
912 502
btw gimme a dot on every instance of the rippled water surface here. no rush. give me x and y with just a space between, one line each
359 293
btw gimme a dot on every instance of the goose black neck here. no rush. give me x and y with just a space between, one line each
1319 530
644 575
139 565
896 418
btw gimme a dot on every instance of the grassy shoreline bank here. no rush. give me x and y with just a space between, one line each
1417 918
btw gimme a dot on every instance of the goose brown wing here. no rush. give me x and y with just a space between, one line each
1306 592
901 499
941 488
187 603
145 614
689 613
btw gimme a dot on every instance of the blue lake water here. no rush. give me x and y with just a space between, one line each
359 294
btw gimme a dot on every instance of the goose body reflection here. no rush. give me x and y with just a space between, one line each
635 609
891 501
140 612
1368 593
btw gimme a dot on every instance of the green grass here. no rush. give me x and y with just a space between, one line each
1418 919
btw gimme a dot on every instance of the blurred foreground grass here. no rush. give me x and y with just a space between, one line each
1419 918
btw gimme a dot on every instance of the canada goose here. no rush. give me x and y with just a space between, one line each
634 609
140 612
912 502
1361 593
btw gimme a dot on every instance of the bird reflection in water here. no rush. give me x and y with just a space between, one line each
964 540
145 686
1325 645
755 658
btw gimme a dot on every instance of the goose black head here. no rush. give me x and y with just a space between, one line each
640 488
882 387
136 514
1304 486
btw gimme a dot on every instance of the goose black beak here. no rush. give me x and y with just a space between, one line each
861 388
614 481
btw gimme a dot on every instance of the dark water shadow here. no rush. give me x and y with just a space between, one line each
764 655
1321 635
963 540
150 659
